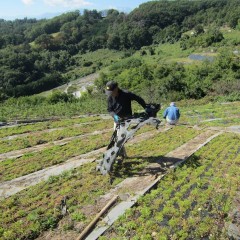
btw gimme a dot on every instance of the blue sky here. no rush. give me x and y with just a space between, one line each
12 9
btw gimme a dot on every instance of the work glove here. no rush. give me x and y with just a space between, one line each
116 118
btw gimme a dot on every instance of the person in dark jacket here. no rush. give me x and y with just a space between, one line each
119 101
119 104
172 114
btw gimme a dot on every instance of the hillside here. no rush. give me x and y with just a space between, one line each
38 55
172 179
178 182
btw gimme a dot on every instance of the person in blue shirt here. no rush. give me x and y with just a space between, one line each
172 114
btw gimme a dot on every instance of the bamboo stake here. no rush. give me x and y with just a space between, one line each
94 221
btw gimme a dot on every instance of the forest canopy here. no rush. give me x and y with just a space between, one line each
35 55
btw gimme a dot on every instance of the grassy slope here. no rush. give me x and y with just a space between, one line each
35 209
164 53
179 203
192 202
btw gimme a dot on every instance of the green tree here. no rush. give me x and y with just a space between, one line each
45 41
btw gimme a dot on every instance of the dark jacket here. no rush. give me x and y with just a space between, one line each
121 105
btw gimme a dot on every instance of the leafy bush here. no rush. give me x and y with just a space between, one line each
87 64
204 39
232 97
58 96
126 64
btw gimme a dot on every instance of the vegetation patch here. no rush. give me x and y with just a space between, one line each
39 107
52 155
35 208
147 52
191 201
222 114
31 162
45 137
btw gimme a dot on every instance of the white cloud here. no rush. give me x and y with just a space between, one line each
66 3
27 2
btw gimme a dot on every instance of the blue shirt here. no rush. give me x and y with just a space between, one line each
172 113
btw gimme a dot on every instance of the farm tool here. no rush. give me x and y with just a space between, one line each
124 131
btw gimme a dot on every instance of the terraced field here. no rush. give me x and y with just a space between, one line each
178 182
191 202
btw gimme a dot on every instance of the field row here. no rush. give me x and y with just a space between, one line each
211 114
191 113
38 138
40 126
34 161
30 212
192 201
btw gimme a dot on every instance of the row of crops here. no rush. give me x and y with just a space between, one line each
179 208
192 201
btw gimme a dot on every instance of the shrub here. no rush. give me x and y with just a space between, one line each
60 97
87 64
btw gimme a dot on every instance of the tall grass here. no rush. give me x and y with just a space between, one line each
27 108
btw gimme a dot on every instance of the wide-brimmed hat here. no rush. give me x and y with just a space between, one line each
110 86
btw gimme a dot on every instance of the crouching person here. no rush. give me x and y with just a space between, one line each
172 114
